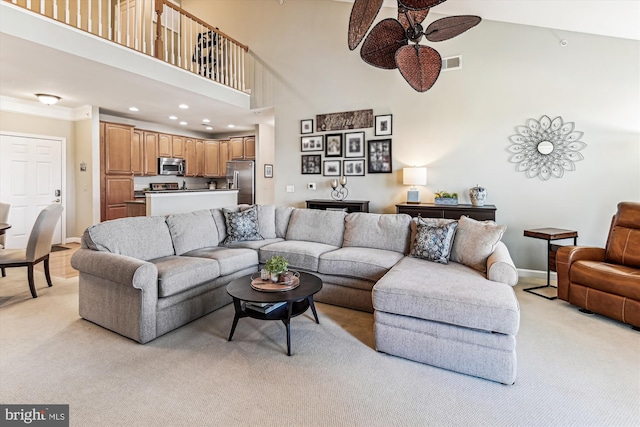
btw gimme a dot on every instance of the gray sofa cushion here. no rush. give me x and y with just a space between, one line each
475 241
363 263
229 260
283 214
313 225
452 293
192 230
379 231
267 221
143 237
179 273
253 244
300 254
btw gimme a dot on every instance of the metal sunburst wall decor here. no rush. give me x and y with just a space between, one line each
546 148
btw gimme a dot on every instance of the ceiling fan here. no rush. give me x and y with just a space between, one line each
387 45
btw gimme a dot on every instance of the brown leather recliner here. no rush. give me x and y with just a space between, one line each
606 281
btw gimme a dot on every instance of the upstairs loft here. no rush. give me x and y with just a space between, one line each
124 42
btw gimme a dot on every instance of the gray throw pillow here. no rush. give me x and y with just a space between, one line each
241 226
433 242
475 241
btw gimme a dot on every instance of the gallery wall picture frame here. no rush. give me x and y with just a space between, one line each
354 144
333 145
331 168
384 125
379 156
353 167
311 164
312 143
268 171
306 126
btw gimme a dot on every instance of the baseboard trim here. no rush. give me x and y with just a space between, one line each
72 240
536 274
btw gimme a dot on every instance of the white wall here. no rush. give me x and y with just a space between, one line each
460 128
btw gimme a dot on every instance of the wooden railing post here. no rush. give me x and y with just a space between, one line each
158 43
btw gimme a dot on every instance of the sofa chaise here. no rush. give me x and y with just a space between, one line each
145 276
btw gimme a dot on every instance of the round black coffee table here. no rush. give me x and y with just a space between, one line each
297 301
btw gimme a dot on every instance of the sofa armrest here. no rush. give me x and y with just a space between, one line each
116 268
500 266
567 255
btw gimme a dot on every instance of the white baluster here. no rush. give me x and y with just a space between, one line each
78 16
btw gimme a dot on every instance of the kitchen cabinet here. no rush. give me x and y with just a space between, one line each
150 144
116 169
242 148
137 153
249 144
117 149
118 190
225 156
191 158
164 145
211 158
199 157
177 146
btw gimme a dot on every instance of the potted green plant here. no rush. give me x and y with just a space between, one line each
445 198
275 266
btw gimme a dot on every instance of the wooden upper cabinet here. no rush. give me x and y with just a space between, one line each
211 158
236 148
199 157
225 156
177 146
150 144
249 144
190 157
164 145
137 153
117 149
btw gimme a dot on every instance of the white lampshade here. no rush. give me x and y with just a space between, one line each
414 176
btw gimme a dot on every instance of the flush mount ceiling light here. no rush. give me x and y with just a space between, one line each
134 109
387 45
173 118
183 106
206 121
47 99
231 126
183 123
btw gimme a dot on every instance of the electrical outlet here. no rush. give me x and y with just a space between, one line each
311 186
290 189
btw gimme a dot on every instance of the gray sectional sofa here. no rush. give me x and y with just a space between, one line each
145 276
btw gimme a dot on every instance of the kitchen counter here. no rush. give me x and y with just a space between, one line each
166 202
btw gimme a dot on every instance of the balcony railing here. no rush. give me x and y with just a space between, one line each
180 38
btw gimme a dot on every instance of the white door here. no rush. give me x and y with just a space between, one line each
30 180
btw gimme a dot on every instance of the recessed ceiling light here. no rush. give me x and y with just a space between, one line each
231 126
47 99
173 118
183 106
206 121
133 109
209 128
183 123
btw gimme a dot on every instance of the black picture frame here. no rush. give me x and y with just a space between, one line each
311 164
306 126
379 156
333 145
268 171
312 143
331 168
354 144
353 167
384 125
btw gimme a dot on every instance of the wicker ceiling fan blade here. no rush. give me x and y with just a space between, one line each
380 46
362 15
419 65
446 28
419 4
416 15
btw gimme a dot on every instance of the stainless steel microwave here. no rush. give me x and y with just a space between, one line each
170 166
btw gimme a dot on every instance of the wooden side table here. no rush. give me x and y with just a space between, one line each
550 234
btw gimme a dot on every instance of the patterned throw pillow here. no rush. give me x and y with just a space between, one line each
241 226
433 241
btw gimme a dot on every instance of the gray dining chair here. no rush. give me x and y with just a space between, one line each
38 247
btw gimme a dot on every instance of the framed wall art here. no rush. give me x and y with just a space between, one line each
353 167
311 164
312 143
331 168
268 171
306 126
384 125
333 147
379 156
354 144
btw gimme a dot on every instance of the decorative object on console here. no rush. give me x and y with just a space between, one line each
477 195
344 121
380 156
384 125
306 126
546 148
342 193
414 176
387 45
276 265
444 198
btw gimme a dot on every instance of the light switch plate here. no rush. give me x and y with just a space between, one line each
290 188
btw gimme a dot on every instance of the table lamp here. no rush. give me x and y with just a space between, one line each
414 176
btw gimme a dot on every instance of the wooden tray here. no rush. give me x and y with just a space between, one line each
268 286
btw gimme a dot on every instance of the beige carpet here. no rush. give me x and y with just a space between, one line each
573 369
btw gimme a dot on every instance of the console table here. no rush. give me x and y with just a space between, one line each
345 205
430 210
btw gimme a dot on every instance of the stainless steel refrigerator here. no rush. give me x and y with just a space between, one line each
241 176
